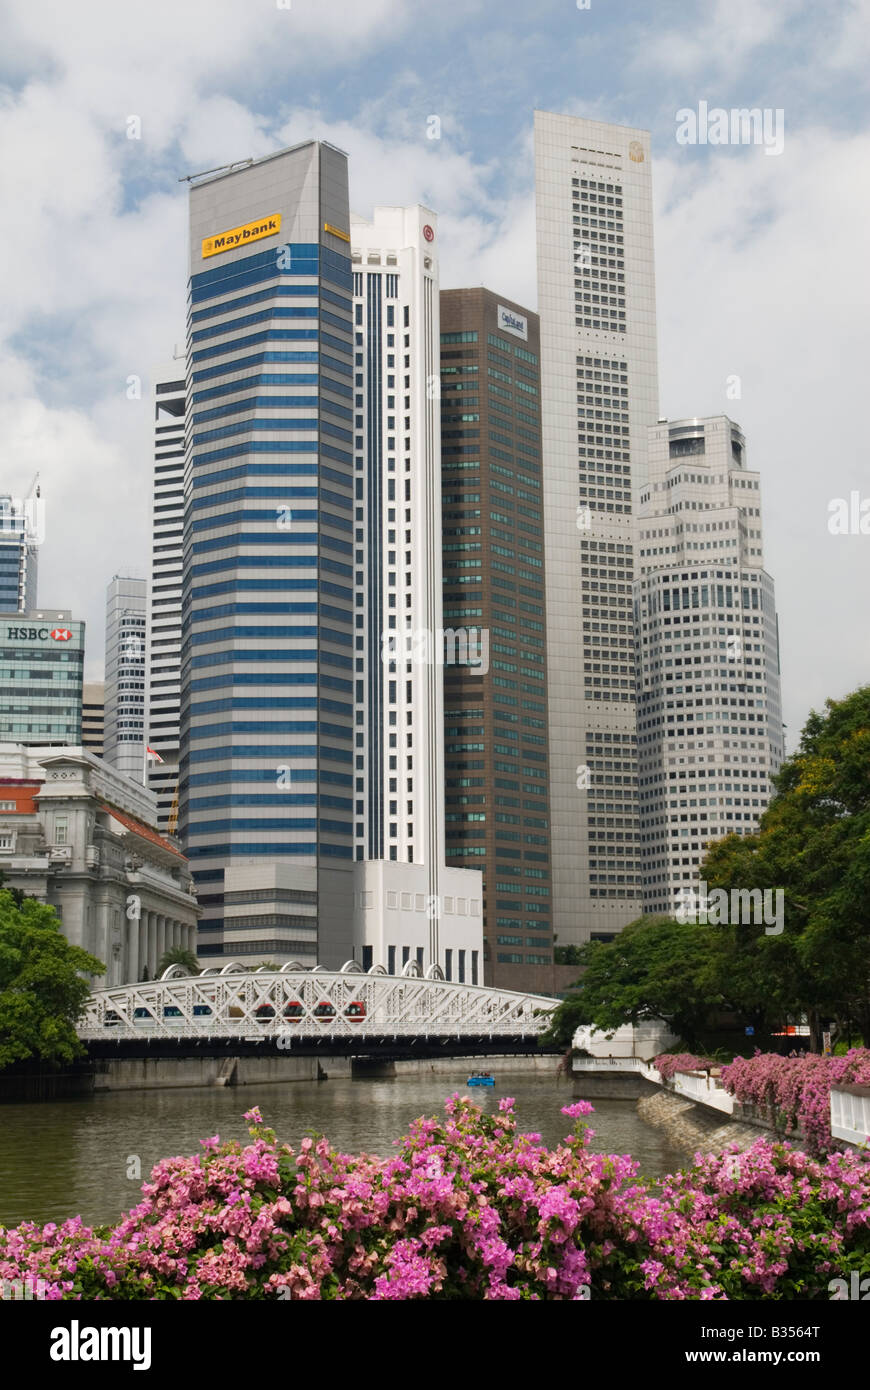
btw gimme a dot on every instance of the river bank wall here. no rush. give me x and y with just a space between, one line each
172 1073
692 1126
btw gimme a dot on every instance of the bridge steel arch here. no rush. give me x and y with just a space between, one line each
306 1004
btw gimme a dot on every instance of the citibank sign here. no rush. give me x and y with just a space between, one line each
511 322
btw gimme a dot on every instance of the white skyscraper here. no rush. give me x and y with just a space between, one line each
709 713
164 599
409 906
599 395
123 741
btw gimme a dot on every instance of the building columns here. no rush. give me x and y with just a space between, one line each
153 944
131 955
144 936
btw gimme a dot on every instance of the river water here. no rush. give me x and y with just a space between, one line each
72 1157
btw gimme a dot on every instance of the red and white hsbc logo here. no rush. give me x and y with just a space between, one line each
38 634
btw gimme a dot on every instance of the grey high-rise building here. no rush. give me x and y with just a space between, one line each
267 718
124 711
21 527
164 599
709 713
599 395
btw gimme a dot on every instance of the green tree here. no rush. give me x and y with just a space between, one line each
42 993
814 844
178 955
567 955
655 968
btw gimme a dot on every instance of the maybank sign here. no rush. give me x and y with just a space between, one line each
240 236
512 322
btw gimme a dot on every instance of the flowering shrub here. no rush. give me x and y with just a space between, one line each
767 1223
468 1208
668 1065
798 1087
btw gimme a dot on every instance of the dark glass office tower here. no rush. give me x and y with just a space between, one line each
495 705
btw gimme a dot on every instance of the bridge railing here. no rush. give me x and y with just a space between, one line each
310 1003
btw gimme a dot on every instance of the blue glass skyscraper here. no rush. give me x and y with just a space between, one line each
266 772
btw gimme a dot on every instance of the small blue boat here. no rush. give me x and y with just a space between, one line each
480 1078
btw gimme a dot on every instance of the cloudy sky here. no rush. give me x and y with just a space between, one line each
762 261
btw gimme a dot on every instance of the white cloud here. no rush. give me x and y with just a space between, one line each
759 275
718 39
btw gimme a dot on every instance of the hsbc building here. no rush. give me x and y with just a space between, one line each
41 667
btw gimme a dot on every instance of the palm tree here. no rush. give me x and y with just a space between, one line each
179 955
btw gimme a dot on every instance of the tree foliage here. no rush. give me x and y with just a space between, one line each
42 993
813 844
655 968
178 955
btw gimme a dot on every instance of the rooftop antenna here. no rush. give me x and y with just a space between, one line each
221 168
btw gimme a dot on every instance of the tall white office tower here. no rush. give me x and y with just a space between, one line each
409 906
599 395
709 713
124 728
21 530
164 598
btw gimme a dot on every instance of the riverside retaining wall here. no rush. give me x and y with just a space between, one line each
159 1073
691 1126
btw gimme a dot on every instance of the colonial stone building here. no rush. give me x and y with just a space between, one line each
78 835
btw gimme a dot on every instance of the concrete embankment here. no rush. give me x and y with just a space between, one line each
687 1121
691 1126
167 1073
156 1073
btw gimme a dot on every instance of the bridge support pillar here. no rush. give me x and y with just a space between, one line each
364 1067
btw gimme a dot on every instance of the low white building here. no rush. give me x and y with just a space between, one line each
78 835
397 919
644 1040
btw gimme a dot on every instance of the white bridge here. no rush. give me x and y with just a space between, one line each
294 1003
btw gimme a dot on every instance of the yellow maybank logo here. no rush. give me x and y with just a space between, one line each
328 227
238 236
